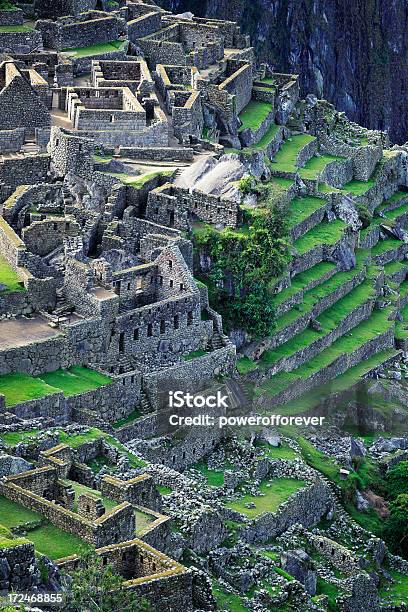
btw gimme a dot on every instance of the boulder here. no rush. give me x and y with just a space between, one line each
299 565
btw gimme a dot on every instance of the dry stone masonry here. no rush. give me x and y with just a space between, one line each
127 133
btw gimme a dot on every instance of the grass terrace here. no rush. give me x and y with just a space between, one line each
19 387
383 246
108 47
75 380
273 494
316 165
301 281
47 539
266 139
286 158
9 281
302 208
323 234
320 291
330 320
15 29
245 365
254 114
138 181
397 199
377 324
345 381
358 188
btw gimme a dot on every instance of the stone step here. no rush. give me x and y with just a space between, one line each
334 322
372 336
316 301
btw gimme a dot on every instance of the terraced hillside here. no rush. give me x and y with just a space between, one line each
342 298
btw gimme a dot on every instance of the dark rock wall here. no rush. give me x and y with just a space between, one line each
352 53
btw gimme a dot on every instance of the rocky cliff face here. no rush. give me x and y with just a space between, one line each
355 54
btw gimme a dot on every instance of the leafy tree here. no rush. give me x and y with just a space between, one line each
364 215
397 479
6 4
244 261
396 528
97 588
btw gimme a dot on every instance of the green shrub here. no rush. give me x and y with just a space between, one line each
243 262
396 480
364 215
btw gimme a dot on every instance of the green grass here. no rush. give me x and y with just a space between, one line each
164 490
75 380
135 414
323 234
308 401
77 440
266 139
383 246
277 452
316 165
330 590
280 489
358 188
108 47
80 489
245 365
98 462
301 208
15 437
20 387
325 188
102 159
377 324
393 267
15 28
13 515
54 542
194 355
397 592
319 292
139 181
9 279
227 601
301 281
215 478
286 158
254 114
143 520
396 212
330 319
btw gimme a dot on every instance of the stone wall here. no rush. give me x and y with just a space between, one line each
194 374
334 369
143 26
68 33
18 93
174 206
11 141
159 153
147 571
21 42
307 507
